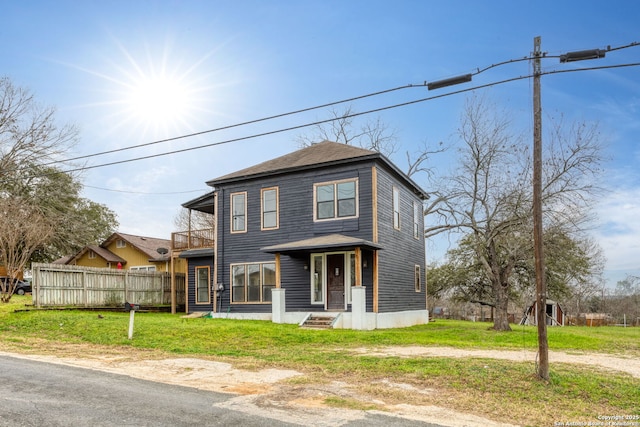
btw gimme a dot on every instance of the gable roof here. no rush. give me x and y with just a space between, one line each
100 251
148 245
315 156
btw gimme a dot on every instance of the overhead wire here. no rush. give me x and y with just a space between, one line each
319 122
235 125
290 128
143 192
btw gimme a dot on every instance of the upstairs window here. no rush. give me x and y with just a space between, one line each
417 280
416 220
336 200
396 208
121 244
238 212
269 208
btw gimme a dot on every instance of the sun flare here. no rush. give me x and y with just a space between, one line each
159 100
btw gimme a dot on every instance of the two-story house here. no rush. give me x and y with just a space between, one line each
330 228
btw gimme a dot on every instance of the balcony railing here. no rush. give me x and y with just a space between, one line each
193 239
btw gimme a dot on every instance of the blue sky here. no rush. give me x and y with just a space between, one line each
231 62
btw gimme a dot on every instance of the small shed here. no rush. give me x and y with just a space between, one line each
554 314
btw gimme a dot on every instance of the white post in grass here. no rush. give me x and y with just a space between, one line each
131 316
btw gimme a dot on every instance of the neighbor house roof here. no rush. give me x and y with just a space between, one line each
148 245
101 252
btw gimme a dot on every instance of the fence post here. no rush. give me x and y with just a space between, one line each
36 281
85 297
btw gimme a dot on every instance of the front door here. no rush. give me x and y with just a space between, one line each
335 282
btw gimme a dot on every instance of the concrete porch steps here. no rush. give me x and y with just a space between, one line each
318 321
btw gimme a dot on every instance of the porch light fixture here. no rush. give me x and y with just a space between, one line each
449 82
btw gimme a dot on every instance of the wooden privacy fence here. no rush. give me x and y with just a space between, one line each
71 285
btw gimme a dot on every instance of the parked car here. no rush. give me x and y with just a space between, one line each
21 287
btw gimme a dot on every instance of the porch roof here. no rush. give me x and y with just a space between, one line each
331 241
194 253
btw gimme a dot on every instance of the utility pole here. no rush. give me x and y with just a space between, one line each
541 287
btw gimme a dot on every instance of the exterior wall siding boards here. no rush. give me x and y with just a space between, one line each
401 253
296 209
191 284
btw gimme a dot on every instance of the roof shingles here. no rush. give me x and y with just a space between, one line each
314 155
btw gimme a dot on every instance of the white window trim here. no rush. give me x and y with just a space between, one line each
120 243
91 255
276 189
195 284
347 276
335 205
246 264
312 271
417 278
417 211
143 268
396 208
246 202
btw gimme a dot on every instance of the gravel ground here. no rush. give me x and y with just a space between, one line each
256 390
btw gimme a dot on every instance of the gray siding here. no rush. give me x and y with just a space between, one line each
192 263
296 223
402 252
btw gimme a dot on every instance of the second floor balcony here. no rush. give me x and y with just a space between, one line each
192 239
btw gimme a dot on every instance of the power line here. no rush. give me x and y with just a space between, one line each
144 193
478 71
250 122
376 110
287 129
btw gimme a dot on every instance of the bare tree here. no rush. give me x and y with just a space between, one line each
35 190
193 220
24 229
373 135
28 132
489 197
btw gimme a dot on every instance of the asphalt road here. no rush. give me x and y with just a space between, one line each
34 393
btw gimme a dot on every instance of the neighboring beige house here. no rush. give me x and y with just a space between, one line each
127 252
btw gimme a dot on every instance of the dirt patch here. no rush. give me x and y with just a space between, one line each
290 395
630 365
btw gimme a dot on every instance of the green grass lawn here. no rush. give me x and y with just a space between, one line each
498 389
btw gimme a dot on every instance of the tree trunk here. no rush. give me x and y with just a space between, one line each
501 318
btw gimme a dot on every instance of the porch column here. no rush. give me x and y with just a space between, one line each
358 307
172 272
278 305
278 277
358 256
